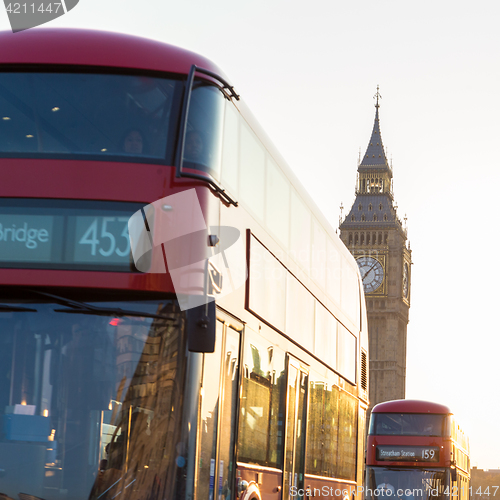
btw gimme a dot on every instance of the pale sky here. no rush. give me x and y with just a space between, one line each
309 72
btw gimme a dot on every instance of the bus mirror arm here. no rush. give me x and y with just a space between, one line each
200 328
453 474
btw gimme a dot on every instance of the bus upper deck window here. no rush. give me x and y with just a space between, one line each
203 139
114 116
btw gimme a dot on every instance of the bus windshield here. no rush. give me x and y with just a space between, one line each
56 113
82 416
408 424
405 484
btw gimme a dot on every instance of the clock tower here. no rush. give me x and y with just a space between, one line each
373 233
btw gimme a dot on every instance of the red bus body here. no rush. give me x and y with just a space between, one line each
135 407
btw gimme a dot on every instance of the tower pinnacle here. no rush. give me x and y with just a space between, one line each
375 154
377 96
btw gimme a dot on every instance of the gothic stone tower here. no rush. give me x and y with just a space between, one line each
375 236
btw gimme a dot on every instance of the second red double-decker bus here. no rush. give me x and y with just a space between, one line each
416 450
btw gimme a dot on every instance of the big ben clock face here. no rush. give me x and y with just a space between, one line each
405 281
372 273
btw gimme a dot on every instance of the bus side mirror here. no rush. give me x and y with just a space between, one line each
201 328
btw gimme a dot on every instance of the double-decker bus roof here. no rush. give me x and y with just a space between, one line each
53 49
410 406
63 46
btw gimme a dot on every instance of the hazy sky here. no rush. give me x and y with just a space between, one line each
309 72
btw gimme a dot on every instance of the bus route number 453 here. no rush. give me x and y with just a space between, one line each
103 235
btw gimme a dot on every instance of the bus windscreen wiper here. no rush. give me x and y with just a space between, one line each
84 308
6 308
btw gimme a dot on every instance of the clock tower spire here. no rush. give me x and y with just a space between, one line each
374 234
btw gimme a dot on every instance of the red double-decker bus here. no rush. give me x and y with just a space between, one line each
177 318
416 450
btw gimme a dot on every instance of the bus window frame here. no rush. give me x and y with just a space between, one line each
229 93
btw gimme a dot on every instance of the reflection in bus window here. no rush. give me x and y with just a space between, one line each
262 403
332 430
82 409
203 139
323 428
51 114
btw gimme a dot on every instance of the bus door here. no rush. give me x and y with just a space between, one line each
295 430
218 404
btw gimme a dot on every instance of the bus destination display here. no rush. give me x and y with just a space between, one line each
408 453
84 236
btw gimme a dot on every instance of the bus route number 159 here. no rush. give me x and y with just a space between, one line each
428 454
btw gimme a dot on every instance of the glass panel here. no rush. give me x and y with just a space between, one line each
267 280
209 419
331 423
49 114
230 149
325 336
262 402
300 232
323 427
408 424
346 353
318 264
91 403
277 203
300 431
350 291
228 413
296 421
409 484
346 451
361 440
252 172
289 480
299 313
315 433
333 271
203 142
